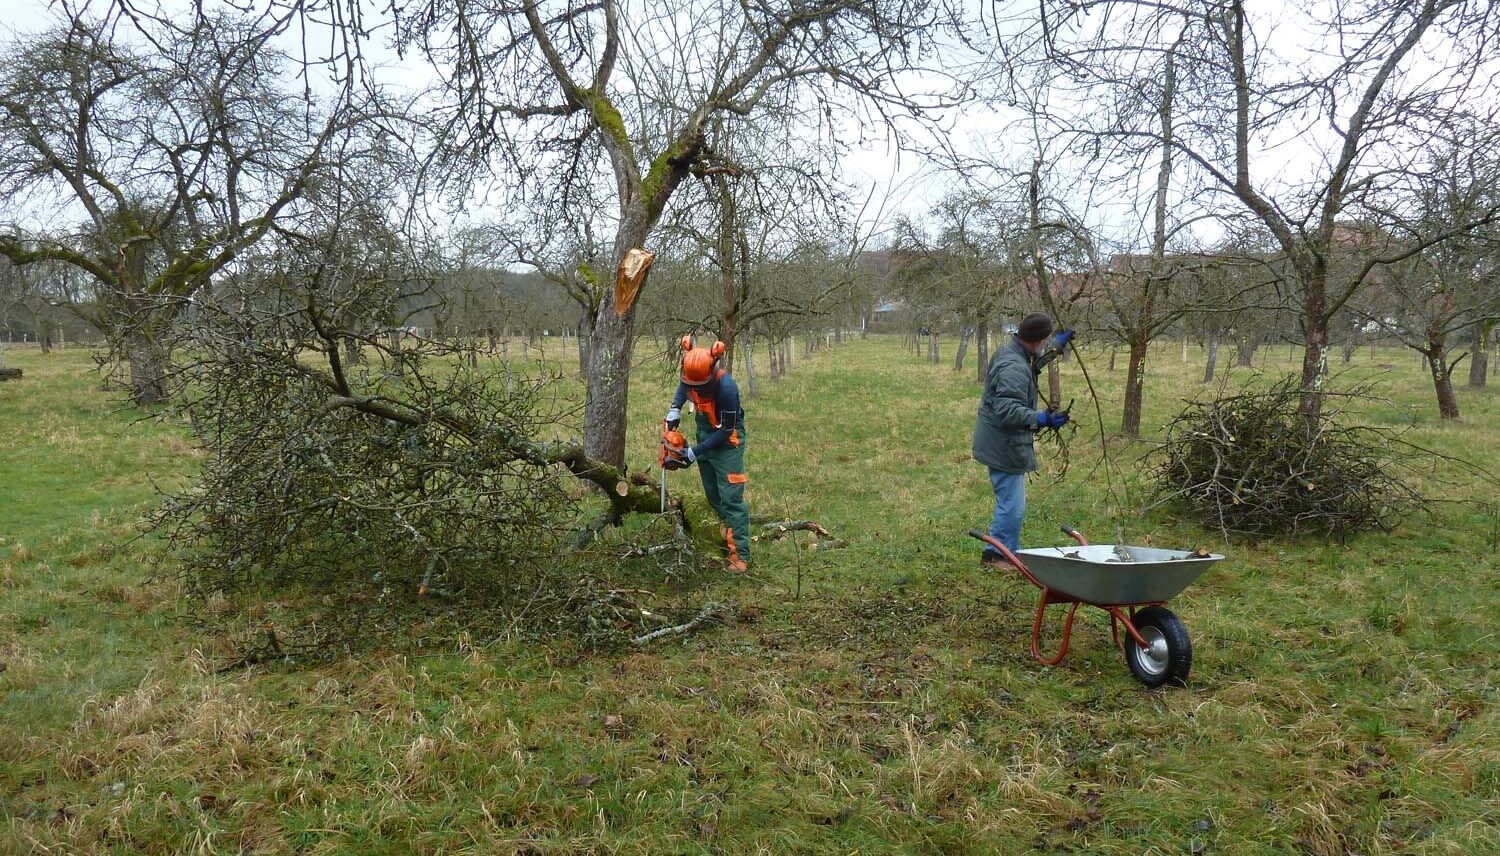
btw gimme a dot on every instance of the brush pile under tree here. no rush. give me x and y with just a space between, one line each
1252 464
364 472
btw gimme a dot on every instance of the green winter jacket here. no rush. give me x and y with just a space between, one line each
1006 427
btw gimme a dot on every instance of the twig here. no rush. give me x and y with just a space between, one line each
710 612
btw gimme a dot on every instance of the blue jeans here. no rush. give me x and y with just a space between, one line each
1010 508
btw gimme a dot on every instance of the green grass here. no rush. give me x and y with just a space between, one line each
1343 696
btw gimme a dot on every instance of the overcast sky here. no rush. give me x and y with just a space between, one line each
913 188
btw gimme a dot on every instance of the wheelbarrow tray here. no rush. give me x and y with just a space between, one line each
1095 573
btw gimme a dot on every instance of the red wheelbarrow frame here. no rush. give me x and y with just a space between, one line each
1119 613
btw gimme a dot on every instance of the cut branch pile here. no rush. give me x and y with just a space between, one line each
1251 464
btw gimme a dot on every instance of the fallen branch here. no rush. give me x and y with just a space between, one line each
710 612
633 495
634 552
777 529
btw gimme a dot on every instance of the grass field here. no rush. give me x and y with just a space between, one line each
876 698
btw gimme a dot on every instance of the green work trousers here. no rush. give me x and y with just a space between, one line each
723 473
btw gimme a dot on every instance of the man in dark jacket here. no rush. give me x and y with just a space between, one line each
1008 421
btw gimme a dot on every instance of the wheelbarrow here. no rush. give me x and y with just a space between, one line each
1132 584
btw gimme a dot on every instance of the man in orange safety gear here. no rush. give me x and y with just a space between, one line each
720 448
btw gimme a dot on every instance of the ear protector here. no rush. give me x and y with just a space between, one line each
688 343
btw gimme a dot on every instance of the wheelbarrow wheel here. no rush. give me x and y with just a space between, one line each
1168 657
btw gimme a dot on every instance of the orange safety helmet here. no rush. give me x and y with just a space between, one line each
698 363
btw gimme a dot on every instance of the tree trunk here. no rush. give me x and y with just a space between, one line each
1140 336
1244 351
1114 351
751 386
1213 359
734 261
1135 381
607 398
1054 385
585 333
505 360
982 334
1479 359
148 369
934 350
963 348
399 365
1442 380
354 352
1315 348
608 394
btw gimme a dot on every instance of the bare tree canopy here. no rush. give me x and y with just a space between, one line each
1358 100
557 94
175 143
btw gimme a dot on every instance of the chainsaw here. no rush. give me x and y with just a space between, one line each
671 456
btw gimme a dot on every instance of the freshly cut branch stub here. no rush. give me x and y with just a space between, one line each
630 276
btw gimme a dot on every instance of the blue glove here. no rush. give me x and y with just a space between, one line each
1050 419
1061 340
674 418
690 455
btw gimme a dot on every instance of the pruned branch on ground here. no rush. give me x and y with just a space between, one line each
710 613
822 538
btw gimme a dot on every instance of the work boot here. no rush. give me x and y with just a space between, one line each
991 559
736 565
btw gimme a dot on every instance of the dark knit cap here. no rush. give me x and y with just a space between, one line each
1034 327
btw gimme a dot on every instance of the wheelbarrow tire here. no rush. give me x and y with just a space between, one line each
1170 657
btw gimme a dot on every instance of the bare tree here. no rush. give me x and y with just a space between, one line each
557 90
1450 287
975 264
1364 87
179 145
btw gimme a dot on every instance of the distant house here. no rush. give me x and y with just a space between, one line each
885 314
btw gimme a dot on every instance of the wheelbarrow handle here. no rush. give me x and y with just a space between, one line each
1074 534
